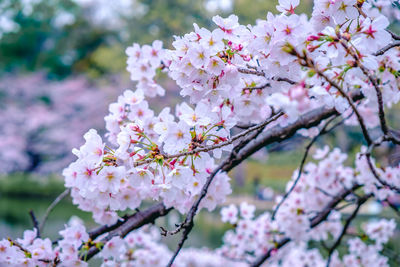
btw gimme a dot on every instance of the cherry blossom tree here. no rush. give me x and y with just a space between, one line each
42 120
285 74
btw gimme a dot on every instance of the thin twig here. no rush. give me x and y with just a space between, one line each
387 48
303 160
281 79
360 202
307 62
165 232
188 224
222 144
374 82
261 73
394 36
376 175
35 223
313 223
252 72
18 245
52 206
260 87
394 208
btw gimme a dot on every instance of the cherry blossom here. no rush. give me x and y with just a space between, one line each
246 87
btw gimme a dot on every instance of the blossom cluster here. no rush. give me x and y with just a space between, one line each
34 251
286 65
143 248
104 180
253 236
231 74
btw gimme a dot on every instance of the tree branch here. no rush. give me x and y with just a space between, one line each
133 222
387 48
303 161
52 206
314 222
374 82
360 202
222 144
305 61
278 133
35 223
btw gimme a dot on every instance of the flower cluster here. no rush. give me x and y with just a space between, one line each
232 73
258 78
143 63
34 251
104 180
313 192
143 248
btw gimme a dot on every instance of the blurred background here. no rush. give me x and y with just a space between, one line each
63 61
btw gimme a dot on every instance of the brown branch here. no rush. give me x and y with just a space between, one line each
93 234
394 36
313 223
376 175
278 133
374 82
260 87
280 79
261 73
133 222
165 232
386 48
222 144
52 206
188 224
303 161
305 61
394 208
35 223
18 245
252 72
360 202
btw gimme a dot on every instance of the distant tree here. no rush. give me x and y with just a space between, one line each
42 121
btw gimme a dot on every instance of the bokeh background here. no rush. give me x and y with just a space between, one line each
63 61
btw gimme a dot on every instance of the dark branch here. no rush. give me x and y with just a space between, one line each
133 222
303 161
376 175
35 223
279 134
314 222
374 82
52 206
360 202
394 36
387 48
187 225
305 61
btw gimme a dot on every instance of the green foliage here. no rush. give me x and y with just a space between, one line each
23 185
164 19
39 44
